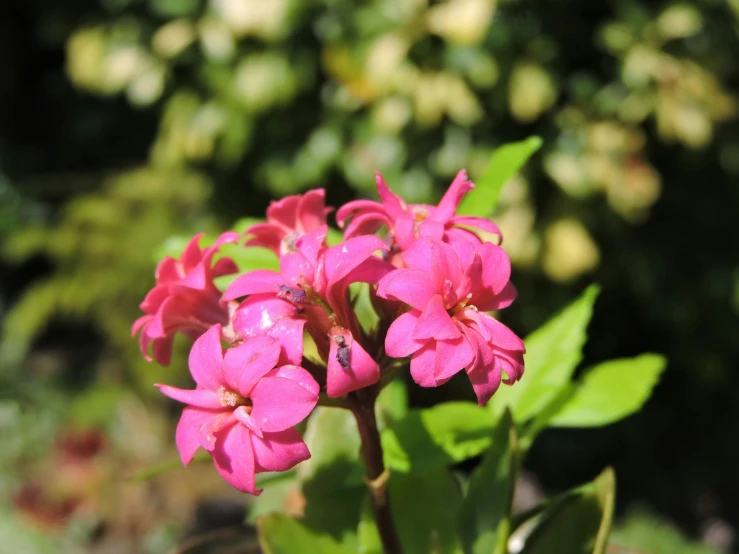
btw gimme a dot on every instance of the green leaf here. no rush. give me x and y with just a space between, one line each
645 532
392 403
505 162
437 437
552 354
244 223
332 479
424 507
280 534
611 391
279 489
484 518
579 523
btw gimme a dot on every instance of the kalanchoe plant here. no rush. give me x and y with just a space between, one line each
271 345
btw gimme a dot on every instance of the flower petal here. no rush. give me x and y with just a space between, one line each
357 207
393 204
485 381
279 451
435 322
233 456
422 365
437 259
187 436
349 366
311 210
502 336
452 356
254 282
399 341
344 257
245 364
199 398
205 359
453 196
412 286
283 398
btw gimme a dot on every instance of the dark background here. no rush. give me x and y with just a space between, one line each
115 137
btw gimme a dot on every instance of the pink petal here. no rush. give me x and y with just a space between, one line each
472 278
283 398
457 236
477 223
392 203
453 196
358 207
369 271
361 370
187 436
192 254
342 258
452 356
500 301
512 364
167 271
412 286
437 259
366 224
422 365
196 278
162 350
284 212
399 341
404 231
496 267
279 451
431 229
311 214
502 336
205 359
155 298
259 313
245 364
234 458
267 235
296 269
311 243
199 398
485 381
254 282
435 322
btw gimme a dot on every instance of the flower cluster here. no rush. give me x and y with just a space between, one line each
433 280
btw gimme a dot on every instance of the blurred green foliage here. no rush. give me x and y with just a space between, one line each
126 122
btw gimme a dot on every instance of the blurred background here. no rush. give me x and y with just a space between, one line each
128 124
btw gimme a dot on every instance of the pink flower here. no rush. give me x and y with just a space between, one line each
316 279
184 298
288 219
448 290
407 222
243 408
349 366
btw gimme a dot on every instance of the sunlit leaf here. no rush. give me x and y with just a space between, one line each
611 391
580 523
280 534
484 523
332 478
505 162
424 507
436 437
552 354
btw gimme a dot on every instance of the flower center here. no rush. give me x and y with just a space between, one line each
229 398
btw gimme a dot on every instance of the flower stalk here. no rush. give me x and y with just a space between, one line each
362 405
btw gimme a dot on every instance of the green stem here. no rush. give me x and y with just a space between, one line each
362 405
